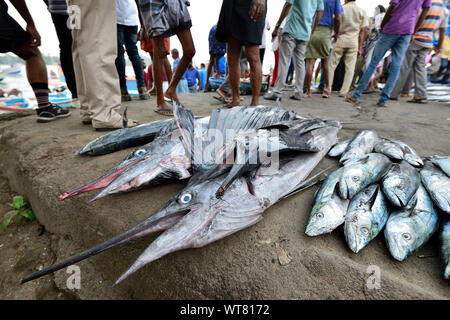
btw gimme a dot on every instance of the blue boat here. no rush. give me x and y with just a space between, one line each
14 104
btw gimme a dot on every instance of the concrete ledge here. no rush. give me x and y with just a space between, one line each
39 161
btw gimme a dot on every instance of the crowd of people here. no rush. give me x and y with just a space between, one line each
351 47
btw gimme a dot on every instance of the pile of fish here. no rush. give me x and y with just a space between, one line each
384 184
230 183
227 159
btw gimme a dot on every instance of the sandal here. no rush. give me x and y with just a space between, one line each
381 105
422 100
326 94
351 100
165 111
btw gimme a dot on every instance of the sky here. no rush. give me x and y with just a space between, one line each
204 14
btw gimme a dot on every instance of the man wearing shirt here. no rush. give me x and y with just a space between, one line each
127 29
348 43
418 50
299 26
192 75
319 45
399 24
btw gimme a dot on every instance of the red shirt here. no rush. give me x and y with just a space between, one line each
150 74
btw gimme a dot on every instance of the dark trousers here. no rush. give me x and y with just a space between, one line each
262 51
65 51
127 36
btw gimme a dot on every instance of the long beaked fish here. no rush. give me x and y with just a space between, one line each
366 217
407 229
400 183
363 143
361 172
329 209
125 138
195 217
437 184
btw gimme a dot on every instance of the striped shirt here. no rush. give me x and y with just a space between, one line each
436 18
57 7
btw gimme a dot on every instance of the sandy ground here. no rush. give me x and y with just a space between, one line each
271 260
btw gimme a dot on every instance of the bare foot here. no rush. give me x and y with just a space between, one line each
307 95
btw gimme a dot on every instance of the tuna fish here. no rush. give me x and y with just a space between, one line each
443 163
362 172
363 143
389 148
445 247
339 148
410 228
329 209
410 154
438 185
400 184
366 217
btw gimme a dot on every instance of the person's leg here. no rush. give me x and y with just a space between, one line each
420 70
130 40
446 73
299 65
253 58
286 49
398 53
159 54
167 69
97 54
408 85
262 51
351 55
65 44
208 72
309 72
405 71
336 56
185 38
234 53
384 43
120 60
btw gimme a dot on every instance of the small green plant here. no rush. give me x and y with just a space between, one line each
20 211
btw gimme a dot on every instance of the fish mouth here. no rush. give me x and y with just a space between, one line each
162 220
101 182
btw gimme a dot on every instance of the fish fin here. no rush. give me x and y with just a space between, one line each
185 121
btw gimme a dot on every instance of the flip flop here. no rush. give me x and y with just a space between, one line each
381 105
418 101
227 106
325 94
221 99
351 100
165 111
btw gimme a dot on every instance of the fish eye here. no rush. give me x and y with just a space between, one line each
139 153
406 236
319 215
185 198
364 230
355 178
354 218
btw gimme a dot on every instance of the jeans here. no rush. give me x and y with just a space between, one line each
398 44
65 51
127 35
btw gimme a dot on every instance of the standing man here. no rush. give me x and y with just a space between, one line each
348 44
262 47
319 45
241 24
127 32
399 23
176 59
58 11
418 50
24 44
296 34
94 54
203 75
